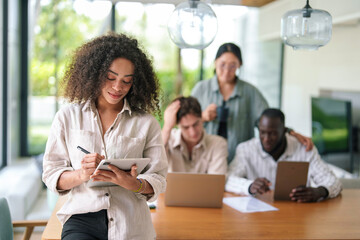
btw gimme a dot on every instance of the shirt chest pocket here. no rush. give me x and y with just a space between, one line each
82 138
127 147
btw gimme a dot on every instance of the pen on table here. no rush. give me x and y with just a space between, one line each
83 150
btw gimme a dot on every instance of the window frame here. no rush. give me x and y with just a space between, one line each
24 78
4 85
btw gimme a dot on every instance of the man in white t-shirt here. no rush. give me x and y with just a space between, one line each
188 147
253 169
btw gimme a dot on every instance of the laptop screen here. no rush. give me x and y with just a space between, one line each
195 190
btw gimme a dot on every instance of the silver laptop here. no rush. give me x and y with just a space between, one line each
195 190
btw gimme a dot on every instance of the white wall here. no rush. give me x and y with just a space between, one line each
335 66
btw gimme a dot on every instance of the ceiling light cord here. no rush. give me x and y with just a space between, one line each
307 11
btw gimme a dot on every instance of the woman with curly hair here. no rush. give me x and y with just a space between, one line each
113 90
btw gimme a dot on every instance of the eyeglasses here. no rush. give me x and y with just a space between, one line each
230 67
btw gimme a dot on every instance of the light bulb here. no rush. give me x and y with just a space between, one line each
305 26
193 24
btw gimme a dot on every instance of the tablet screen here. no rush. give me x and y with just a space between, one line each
123 164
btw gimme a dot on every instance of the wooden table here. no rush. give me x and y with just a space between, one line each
337 218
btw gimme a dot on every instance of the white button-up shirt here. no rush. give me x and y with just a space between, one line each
132 135
252 162
208 156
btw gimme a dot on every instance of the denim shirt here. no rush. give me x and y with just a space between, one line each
245 104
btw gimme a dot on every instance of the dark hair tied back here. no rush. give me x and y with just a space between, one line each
229 47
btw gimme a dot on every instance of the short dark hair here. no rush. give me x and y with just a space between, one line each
86 72
274 113
188 105
229 47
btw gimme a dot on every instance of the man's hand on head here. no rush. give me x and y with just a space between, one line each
170 114
259 186
308 194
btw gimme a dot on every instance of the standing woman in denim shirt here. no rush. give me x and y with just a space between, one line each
113 91
230 105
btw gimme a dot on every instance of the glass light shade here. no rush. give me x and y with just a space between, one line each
306 28
192 24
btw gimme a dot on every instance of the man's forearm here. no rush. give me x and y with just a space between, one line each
165 134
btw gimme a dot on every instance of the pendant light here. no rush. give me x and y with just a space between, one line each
306 28
192 24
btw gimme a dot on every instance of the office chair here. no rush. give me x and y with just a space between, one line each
6 226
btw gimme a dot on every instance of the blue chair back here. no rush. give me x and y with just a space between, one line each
6 227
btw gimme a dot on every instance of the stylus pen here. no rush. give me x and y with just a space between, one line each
83 150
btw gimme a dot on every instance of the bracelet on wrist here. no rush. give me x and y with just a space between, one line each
141 184
144 186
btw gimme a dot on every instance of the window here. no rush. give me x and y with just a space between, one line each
56 29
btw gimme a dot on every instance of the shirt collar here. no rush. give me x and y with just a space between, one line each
89 104
202 142
126 107
289 150
214 84
290 146
261 150
178 141
238 90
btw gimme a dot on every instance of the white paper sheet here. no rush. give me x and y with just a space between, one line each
248 204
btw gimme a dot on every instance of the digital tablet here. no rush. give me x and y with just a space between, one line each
289 175
123 164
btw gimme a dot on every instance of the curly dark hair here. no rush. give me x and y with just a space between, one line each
86 73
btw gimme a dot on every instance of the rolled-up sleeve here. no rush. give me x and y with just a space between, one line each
156 171
321 175
56 159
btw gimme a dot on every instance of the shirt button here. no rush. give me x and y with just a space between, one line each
111 219
107 194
